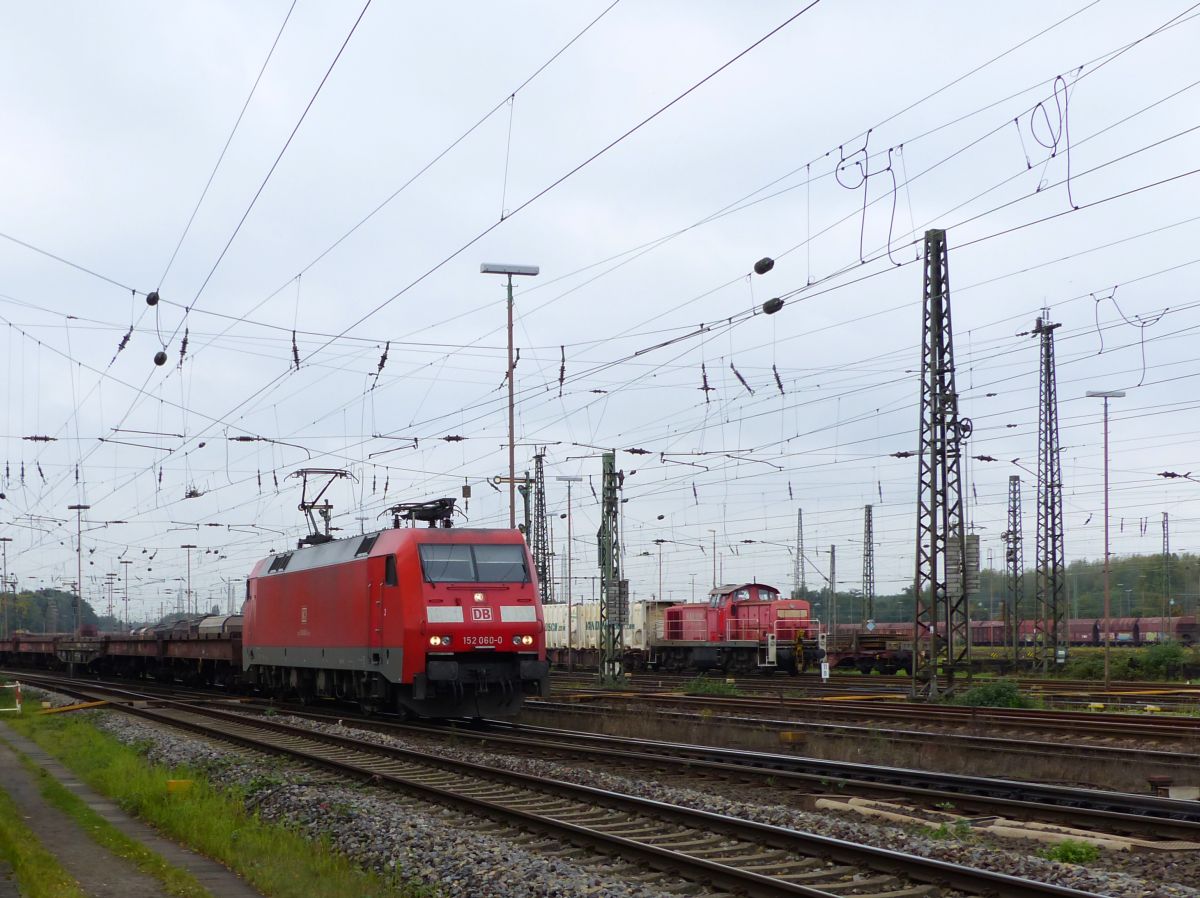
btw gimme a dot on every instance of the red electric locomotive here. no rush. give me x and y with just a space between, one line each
743 628
434 622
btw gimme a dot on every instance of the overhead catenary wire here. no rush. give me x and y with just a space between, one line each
617 374
225 149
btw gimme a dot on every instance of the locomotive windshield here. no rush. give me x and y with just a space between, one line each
473 563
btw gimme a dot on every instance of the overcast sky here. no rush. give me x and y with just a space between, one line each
1052 140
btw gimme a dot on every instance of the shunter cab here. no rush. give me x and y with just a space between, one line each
439 622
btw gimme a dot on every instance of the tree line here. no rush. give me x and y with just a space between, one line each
1140 586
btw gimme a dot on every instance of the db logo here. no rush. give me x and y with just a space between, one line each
481 614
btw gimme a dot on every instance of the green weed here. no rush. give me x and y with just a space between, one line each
997 694
708 686
1071 851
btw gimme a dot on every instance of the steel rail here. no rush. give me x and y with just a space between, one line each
967 741
1140 813
1074 722
454 790
1121 812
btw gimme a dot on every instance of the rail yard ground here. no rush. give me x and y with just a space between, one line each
1075 734
76 852
397 843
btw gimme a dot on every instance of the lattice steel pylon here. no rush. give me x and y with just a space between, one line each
800 587
1168 602
940 588
614 592
868 578
539 542
1050 645
1014 561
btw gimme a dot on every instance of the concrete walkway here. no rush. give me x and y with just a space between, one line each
8 883
100 873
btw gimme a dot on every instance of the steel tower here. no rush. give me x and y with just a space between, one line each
1051 604
1015 565
868 577
940 588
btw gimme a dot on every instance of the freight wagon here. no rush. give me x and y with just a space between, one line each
432 621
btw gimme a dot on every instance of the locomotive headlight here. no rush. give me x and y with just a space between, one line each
526 640
516 640
479 597
439 640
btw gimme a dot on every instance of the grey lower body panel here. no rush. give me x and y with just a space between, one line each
459 685
387 662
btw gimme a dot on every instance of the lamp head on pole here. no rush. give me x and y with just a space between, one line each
510 270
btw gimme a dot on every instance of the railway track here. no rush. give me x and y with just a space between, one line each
1112 812
1105 725
899 686
713 851
1128 763
1142 816
1119 812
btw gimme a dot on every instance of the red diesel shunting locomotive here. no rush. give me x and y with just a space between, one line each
743 628
436 622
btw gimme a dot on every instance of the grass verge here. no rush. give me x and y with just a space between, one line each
275 860
38 872
703 685
175 881
1072 851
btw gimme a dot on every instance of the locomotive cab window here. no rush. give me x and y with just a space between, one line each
447 564
500 564
474 563
389 571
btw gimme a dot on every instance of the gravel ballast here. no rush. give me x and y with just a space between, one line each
464 856
1152 876
439 847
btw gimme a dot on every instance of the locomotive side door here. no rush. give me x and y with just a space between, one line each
381 571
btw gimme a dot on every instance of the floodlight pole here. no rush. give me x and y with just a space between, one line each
714 557
510 270
1106 395
512 457
79 510
659 543
126 563
188 603
4 541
